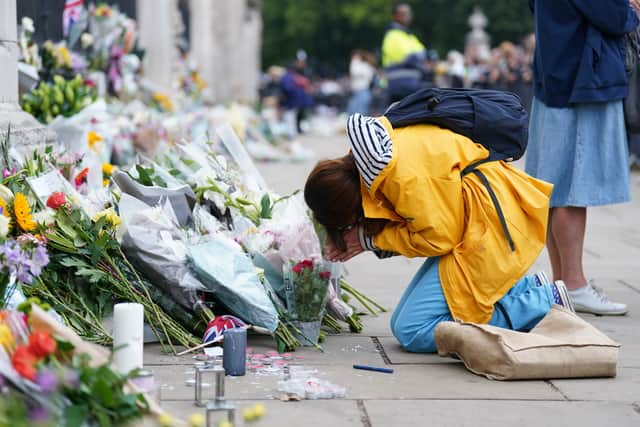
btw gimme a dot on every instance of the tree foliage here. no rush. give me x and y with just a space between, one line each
330 29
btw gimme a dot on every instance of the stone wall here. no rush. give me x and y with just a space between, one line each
225 42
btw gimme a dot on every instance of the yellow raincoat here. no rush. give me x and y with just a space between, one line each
436 212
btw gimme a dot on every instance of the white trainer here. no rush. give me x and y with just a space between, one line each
591 299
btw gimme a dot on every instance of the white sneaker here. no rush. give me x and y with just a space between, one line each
591 299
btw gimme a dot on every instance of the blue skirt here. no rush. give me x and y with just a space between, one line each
582 151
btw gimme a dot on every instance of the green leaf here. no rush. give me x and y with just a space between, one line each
103 392
63 346
74 262
265 204
144 175
93 275
103 419
75 415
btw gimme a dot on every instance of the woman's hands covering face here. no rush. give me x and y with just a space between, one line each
353 247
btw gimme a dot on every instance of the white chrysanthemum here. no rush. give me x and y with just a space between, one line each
45 217
27 25
86 40
4 226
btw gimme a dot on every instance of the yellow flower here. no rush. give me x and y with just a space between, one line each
163 101
165 420
198 81
5 209
5 193
92 140
111 216
63 57
108 169
6 337
259 410
196 420
105 182
22 212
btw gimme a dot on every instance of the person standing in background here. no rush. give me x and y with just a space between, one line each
403 55
577 138
362 70
295 91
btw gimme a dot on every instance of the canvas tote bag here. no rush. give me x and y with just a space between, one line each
562 345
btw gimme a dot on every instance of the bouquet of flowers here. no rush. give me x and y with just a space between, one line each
306 284
21 261
47 380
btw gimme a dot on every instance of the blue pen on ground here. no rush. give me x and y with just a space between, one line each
373 368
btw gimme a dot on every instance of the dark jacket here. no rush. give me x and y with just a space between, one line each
579 54
293 86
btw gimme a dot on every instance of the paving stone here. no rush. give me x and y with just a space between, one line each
397 355
348 349
308 413
345 348
442 381
375 326
486 413
624 388
153 355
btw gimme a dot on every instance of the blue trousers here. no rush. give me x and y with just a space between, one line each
423 306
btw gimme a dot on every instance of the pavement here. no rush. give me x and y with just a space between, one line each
427 389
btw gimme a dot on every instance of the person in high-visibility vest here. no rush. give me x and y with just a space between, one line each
403 55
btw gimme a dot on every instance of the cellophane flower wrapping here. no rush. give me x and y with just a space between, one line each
226 270
157 247
288 235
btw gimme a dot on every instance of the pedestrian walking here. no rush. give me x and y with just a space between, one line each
295 89
577 132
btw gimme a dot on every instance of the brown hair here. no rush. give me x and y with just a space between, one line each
332 192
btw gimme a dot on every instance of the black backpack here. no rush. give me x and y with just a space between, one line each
495 119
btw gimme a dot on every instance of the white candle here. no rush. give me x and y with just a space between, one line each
128 324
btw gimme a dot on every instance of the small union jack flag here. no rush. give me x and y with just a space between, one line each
71 14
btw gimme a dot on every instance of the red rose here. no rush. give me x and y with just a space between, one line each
24 362
307 263
56 200
41 344
325 275
297 268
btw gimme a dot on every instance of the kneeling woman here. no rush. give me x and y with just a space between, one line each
402 192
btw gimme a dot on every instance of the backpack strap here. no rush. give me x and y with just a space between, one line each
472 169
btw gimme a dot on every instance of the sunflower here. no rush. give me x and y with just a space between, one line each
22 212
